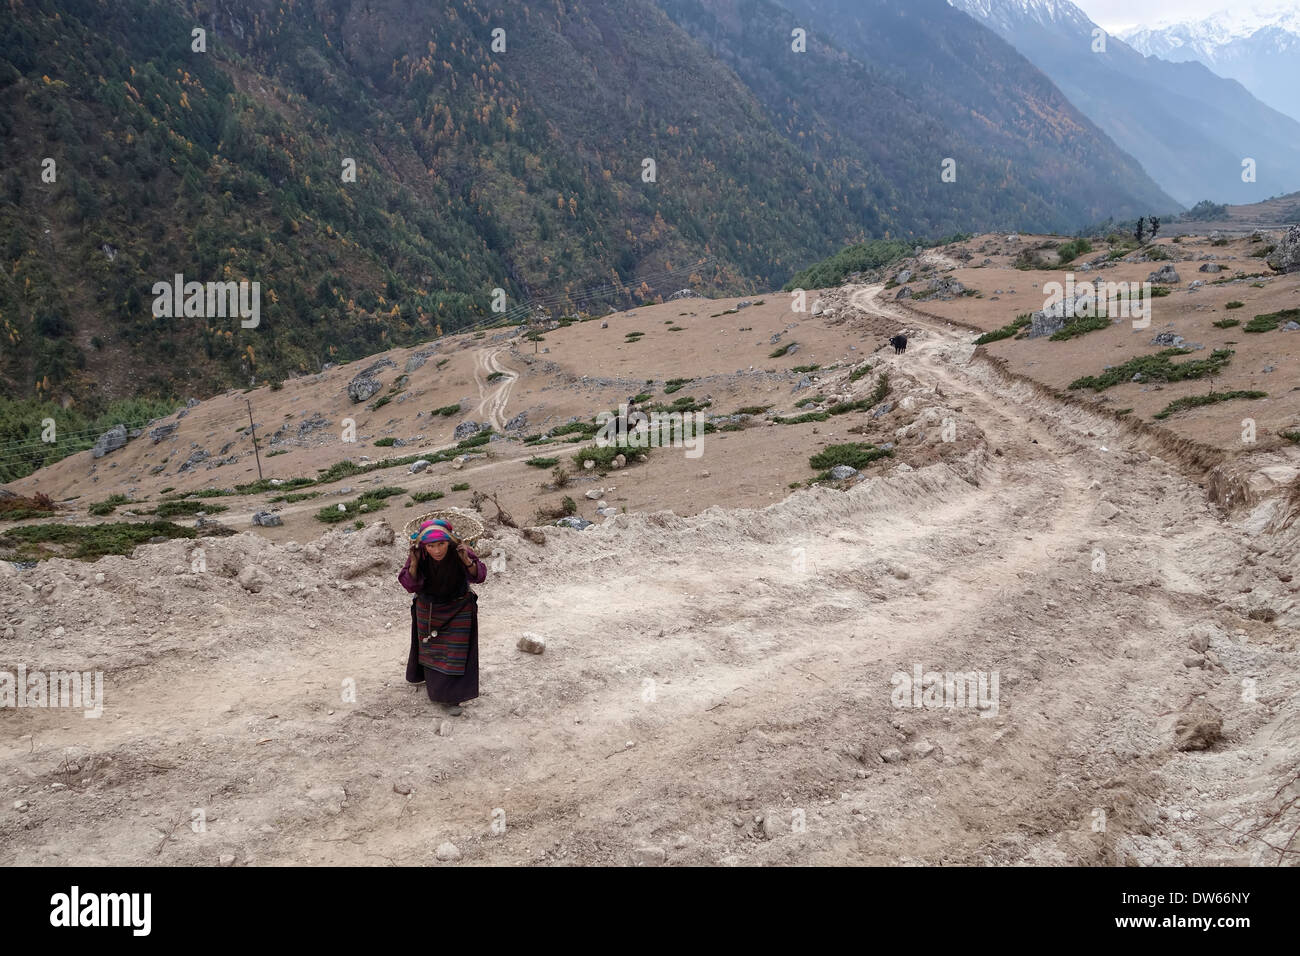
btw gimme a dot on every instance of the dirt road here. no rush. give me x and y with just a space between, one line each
715 689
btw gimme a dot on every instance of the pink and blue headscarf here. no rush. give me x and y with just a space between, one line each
438 529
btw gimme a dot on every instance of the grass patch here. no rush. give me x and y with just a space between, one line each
1195 401
463 486
291 498
383 442
473 441
496 375
1080 326
1006 332
1156 368
604 457
85 543
1271 320
859 373
175 509
854 454
805 368
1225 323
752 410
801 419
640 397
108 505
374 500
1234 304
422 496
782 350
446 410
676 384
542 462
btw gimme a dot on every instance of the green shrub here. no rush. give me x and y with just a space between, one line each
374 500
174 509
781 351
854 454
1225 323
542 462
1194 401
384 442
423 496
1234 304
1080 326
1069 251
447 410
84 542
1007 331
1156 368
108 505
462 486
676 384
1271 320
801 419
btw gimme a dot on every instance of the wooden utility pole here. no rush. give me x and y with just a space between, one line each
253 428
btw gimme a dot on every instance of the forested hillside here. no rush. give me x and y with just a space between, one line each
519 168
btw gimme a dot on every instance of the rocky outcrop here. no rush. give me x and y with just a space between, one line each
1286 257
111 440
365 383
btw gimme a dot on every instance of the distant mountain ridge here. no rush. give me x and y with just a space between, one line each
1189 128
1259 48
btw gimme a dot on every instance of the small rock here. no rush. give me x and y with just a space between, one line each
226 859
447 852
650 856
891 755
532 643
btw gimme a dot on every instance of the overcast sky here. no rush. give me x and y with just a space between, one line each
1117 14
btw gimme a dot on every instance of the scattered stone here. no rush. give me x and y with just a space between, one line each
572 521
595 494
840 472
891 755
535 535
419 466
1165 275
532 643
447 852
518 422
265 519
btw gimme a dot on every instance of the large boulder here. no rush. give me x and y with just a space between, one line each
111 440
365 383
467 428
1286 257
1165 275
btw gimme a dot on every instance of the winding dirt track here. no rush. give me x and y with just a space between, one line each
716 689
492 399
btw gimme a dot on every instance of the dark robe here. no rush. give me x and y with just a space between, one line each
447 661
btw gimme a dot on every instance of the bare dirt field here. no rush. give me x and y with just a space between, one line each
718 685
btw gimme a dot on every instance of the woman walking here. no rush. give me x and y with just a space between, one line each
444 614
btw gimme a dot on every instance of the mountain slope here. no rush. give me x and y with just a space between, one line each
1190 129
476 170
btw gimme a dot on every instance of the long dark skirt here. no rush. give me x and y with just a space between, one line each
443 688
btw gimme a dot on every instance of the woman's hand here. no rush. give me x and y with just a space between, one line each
464 555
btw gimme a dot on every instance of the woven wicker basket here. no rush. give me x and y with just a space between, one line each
467 527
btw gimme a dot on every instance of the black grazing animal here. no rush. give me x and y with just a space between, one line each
899 342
